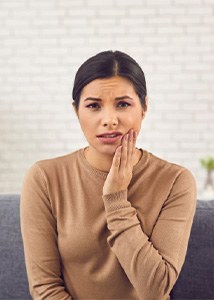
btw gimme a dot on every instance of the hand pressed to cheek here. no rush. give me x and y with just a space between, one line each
131 147
128 149
120 173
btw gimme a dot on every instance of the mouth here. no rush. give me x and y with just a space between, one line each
110 138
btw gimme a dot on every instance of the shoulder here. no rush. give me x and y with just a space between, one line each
183 188
55 166
175 177
168 168
59 160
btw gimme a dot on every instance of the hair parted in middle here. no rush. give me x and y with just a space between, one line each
107 64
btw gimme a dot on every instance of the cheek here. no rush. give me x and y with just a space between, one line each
83 124
87 125
135 123
134 120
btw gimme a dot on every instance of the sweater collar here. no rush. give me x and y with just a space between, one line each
94 171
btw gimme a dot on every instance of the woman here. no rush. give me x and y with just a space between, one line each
108 221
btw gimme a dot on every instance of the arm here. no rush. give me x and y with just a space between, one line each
39 234
153 263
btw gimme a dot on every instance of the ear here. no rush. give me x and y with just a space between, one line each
75 108
145 109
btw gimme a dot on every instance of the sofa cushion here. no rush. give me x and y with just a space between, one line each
13 278
195 280
197 275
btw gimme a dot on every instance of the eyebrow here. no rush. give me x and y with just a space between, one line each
116 99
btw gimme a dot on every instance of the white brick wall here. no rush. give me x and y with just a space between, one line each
43 43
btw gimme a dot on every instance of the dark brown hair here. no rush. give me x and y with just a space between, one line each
105 65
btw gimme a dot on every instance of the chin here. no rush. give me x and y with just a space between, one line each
107 149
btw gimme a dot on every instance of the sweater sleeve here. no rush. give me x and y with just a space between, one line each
153 263
39 234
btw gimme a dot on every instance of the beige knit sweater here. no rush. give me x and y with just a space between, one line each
80 244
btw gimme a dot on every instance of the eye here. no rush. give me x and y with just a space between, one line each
95 106
123 104
92 105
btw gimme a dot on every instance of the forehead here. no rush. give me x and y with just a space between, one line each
112 85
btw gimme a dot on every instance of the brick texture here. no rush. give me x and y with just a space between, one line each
43 43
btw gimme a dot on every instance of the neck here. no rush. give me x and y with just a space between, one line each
103 161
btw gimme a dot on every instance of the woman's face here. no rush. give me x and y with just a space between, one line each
109 105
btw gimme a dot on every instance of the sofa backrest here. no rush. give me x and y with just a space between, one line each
13 278
195 280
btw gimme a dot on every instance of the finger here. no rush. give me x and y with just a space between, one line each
124 153
133 146
130 148
134 143
117 158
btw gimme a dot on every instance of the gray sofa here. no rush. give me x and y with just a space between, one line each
196 280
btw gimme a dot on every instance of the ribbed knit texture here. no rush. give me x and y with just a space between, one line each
80 244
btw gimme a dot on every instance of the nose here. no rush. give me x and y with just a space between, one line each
109 118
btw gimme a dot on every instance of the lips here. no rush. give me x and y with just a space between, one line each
112 134
110 137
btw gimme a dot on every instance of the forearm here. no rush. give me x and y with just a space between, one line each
39 234
151 264
49 293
